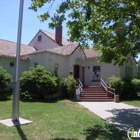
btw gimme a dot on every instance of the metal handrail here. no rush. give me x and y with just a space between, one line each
80 84
106 87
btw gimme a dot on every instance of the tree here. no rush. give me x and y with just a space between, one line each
111 25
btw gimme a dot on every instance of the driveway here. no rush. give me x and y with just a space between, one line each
119 114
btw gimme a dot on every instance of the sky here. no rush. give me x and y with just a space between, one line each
9 14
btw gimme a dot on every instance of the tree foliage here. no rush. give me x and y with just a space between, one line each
111 25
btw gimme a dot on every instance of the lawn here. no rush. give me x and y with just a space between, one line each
135 103
57 120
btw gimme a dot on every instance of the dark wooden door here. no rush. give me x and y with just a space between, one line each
76 71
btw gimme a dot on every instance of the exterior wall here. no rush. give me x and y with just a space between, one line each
106 71
48 60
45 42
131 63
5 62
77 58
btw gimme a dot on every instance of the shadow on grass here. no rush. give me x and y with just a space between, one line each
21 133
125 118
108 132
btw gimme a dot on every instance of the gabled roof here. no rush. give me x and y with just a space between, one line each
52 37
90 53
8 48
65 50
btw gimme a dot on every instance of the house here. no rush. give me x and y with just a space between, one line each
52 50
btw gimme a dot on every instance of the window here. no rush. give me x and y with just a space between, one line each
126 71
96 73
129 71
39 38
35 64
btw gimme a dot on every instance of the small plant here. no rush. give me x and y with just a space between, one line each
68 86
116 83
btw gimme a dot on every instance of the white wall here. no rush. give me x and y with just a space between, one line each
106 70
130 62
45 43
5 62
48 60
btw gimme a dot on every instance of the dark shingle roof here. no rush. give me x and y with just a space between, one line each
8 48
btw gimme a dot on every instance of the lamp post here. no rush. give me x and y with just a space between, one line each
15 108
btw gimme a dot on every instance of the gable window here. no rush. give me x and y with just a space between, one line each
96 73
129 71
39 37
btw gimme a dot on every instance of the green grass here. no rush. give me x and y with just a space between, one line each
57 120
135 103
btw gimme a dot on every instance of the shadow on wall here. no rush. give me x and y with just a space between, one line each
108 132
125 118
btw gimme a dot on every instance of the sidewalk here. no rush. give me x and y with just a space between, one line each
119 114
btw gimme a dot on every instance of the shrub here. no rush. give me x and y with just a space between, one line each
131 87
38 82
117 84
5 79
68 86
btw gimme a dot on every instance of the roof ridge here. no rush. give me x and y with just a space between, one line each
53 34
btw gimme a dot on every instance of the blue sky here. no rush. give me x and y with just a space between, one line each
9 12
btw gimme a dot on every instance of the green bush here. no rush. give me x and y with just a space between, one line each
68 86
136 84
5 79
38 82
117 84
131 87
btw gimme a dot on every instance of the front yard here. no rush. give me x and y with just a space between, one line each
135 103
57 120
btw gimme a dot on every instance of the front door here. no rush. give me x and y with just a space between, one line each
76 71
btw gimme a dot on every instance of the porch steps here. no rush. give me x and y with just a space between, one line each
94 94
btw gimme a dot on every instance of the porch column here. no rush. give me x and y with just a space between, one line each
83 76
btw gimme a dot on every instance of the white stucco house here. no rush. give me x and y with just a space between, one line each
49 50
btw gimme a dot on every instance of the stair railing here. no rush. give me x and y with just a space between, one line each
79 89
80 84
107 88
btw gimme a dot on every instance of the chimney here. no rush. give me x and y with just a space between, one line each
58 35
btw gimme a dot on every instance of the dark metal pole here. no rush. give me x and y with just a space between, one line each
15 109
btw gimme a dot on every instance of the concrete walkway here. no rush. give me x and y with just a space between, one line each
121 115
